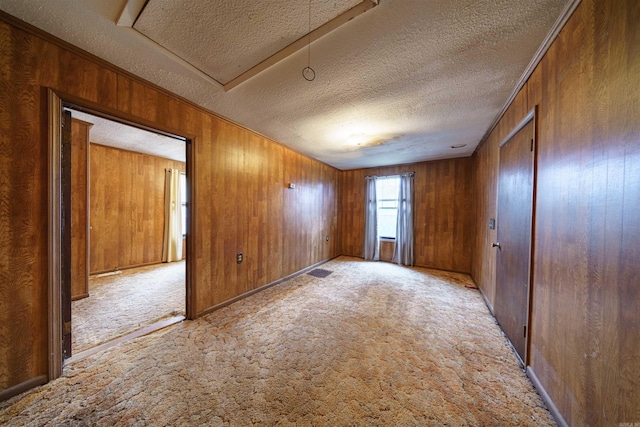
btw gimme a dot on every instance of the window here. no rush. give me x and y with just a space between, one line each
387 189
183 199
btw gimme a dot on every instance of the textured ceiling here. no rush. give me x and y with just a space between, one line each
401 83
226 38
118 135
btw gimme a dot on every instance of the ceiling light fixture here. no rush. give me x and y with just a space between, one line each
307 72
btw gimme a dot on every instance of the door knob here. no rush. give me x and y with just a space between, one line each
496 245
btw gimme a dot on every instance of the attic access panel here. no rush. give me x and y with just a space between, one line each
226 38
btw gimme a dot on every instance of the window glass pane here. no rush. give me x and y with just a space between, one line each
387 222
387 195
387 188
183 188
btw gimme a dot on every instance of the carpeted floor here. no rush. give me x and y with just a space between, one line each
122 303
373 344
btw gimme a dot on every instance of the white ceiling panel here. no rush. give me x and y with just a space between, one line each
226 38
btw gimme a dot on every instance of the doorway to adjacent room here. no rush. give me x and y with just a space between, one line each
120 229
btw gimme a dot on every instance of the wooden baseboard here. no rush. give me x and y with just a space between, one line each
128 267
486 301
81 296
22 387
546 398
444 269
416 265
262 288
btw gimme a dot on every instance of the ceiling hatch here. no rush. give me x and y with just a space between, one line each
231 40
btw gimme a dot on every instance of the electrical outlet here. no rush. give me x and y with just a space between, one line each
239 258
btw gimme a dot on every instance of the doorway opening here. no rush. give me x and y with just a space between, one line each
121 227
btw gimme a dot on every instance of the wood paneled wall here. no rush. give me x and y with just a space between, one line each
240 202
127 207
443 211
278 230
585 321
79 208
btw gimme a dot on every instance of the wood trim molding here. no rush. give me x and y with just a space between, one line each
22 387
542 50
190 266
79 297
126 267
88 215
546 398
446 270
486 301
525 121
55 242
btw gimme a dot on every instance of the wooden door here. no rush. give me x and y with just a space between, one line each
514 228
79 209
65 255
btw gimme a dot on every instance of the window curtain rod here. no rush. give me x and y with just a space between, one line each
390 176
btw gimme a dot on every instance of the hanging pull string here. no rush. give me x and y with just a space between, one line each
307 72
309 39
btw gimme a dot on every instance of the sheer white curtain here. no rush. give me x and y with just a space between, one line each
172 244
403 253
371 246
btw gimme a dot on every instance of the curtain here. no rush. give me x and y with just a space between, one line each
172 243
403 253
371 246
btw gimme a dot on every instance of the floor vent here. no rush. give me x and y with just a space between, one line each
319 272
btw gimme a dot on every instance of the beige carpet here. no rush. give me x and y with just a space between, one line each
373 344
122 303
